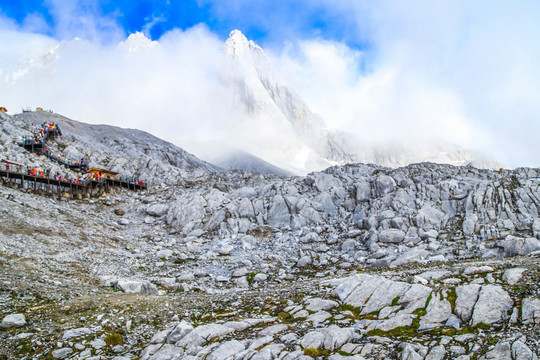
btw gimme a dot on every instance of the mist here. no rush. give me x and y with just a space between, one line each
169 88
461 72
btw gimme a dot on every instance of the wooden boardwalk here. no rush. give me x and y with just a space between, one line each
53 187
40 147
46 185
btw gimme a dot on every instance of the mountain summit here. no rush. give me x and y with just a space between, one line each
287 133
237 44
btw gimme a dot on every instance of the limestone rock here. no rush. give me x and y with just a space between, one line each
391 236
317 304
530 311
400 320
384 185
536 228
335 337
157 210
304 261
98 344
493 305
73 333
363 191
437 313
512 276
467 295
469 224
521 351
313 339
160 337
410 354
202 334
226 350
273 330
319 317
278 214
62 353
179 331
475 270
13 320
502 351
513 245
136 286
436 353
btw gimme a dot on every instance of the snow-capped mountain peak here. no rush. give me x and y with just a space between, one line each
294 138
237 45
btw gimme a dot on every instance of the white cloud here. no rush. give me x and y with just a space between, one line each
169 88
151 22
84 19
465 72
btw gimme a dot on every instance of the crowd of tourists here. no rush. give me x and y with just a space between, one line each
44 129
47 174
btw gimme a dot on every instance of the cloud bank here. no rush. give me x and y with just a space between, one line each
463 72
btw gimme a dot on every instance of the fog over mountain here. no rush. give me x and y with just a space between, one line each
207 97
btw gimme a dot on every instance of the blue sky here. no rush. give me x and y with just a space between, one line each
265 21
462 71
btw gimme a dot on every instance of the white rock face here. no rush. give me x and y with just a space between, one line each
513 276
317 304
313 339
264 100
226 350
513 245
62 353
536 228
391 236
436 353
201 335
372 293
530 311
305 144
399 320
501 351
136 286
522 351
467 295
437 313
335 337
179 331
13 320
68 334
493 305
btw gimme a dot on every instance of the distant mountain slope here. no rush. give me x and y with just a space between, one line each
126 151
396 154
242 160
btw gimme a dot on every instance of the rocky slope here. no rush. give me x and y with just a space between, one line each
129 152
359 261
